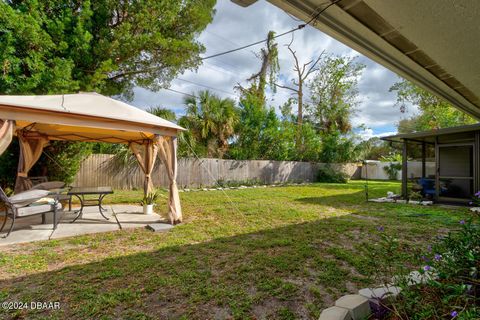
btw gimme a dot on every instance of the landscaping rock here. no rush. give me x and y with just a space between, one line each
416 277
379 292
475 209
356 304
335 313
381 200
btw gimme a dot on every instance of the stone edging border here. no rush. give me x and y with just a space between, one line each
360 306
246 187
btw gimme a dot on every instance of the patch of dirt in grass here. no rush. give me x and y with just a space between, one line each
364 217
220 313
266 309
351 287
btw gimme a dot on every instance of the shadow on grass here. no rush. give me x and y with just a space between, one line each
289 270
285 272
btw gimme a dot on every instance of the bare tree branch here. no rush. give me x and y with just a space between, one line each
312 68
285 87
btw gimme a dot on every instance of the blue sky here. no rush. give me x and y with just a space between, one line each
234 26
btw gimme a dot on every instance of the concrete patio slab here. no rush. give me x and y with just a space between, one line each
131 216
126 217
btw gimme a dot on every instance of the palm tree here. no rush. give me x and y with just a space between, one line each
124 160
211 123
164 113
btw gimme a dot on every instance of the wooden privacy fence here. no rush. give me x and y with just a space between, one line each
194 173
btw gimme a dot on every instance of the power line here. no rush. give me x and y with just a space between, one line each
180 92
299 27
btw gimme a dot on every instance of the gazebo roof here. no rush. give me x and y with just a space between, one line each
84 117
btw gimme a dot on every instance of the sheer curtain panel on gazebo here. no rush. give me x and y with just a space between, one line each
6 134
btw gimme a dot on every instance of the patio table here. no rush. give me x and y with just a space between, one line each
98 192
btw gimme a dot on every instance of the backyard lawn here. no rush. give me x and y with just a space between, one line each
276 252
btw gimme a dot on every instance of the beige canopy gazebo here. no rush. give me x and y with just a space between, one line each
89 117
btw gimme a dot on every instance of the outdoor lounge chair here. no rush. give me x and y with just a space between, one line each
25 204
49 185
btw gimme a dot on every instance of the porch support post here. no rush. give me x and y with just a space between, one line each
424 156
437 170
404 171
476 161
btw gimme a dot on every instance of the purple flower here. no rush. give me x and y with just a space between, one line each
438 257
454 314
462 221
381 228
470 203
427 268
477 194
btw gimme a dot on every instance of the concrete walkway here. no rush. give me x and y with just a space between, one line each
126 216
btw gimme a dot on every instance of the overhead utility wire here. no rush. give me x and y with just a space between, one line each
180 92
299 27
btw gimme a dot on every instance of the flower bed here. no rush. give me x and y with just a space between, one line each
451 284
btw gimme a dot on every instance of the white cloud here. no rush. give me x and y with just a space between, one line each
368 133
234 26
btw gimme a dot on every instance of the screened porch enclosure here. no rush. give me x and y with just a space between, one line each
453 153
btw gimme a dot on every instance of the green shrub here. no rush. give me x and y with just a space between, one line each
453 292
392 170
329 175
150 198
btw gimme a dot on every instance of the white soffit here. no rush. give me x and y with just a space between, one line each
434 43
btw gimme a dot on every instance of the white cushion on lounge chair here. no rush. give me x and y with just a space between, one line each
31 210
25 198
42 201
49 185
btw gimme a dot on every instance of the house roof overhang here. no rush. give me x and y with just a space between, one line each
433 43
429 136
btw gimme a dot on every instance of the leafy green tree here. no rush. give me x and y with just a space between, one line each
210 122
339 148
8 165
256 133
434 113
309 136
108 46
61 160
334 93
375 149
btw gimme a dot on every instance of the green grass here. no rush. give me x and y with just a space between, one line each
277 253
